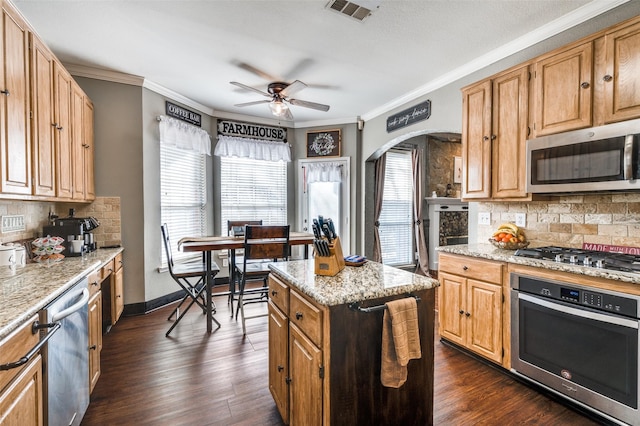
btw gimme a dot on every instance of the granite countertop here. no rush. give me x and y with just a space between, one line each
25 290
488 251
353 284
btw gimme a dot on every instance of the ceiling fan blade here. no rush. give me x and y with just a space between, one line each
252 103
253 89
307 104
298 68
256 71
288 115
294 87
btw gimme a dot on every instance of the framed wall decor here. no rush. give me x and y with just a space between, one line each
324 143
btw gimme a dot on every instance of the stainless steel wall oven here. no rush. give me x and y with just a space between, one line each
579 342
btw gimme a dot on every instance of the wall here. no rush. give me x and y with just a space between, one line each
570 221
439 167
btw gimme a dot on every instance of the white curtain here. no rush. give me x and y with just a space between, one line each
324 172
184 136
255 149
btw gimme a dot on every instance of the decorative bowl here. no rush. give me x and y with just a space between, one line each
509 246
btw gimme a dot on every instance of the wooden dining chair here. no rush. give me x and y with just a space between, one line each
263 244
190 277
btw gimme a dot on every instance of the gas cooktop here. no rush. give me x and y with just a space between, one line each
580 257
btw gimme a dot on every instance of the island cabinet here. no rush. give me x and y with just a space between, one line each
470 304
494 133
21 392
325 351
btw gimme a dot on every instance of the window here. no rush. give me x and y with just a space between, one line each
396 216
183 196
253 190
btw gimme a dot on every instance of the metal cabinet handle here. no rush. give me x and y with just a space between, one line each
5 92
298 315
607 78
585 85
34 329
461 311
93 347
280 368
493 137
95 283
274 293
465 267
468 314
485 138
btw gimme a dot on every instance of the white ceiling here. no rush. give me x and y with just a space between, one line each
362 69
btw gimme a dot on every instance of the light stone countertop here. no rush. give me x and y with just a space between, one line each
487 251
25 290
353 284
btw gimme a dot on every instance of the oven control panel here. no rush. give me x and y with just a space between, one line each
584 296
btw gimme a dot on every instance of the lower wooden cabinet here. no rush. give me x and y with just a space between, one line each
21 403
470 303
95 338
117 290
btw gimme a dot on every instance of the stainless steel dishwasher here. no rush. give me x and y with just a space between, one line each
66 357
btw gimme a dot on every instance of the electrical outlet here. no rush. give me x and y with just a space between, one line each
484 218
521 219
13 223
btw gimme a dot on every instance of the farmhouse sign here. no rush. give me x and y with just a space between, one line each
409 116
180 113
248 130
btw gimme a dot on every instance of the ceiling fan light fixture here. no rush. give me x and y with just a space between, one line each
278 108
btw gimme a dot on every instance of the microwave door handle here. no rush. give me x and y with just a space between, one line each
628 157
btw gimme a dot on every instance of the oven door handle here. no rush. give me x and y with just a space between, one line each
73 308
579 312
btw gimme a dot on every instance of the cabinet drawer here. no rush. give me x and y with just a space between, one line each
95 279
117 262
469 267
279 293
14 347
107 269
306 316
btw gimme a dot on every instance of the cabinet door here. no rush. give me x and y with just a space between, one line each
451 306
87 129
43 126
21 404
510 127
77 144
15 133
476 141
563 91
622 75
117 298
484 319
64 155
279 360
95 338
305 391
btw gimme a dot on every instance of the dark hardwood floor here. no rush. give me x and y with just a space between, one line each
192 378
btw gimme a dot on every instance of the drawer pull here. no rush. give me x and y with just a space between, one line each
468 314
461 311
464 268
280 368
584 85
274 293
298 315
5 92
93 347
94 283
607 78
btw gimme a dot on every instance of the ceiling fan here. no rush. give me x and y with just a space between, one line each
280 95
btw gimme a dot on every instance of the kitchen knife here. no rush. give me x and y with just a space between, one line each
326 231
316 230
332 228
325 247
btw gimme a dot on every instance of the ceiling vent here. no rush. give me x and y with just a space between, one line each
358 10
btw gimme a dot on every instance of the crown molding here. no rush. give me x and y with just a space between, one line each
161 90
102 74
570 20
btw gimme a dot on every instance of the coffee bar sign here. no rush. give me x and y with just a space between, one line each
409 116
248 130
180 113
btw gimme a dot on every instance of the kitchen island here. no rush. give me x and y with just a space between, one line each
325 337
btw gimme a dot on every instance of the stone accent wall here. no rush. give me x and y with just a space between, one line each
572 220
439 165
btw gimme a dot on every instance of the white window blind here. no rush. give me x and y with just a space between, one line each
183 196
253 190
396 217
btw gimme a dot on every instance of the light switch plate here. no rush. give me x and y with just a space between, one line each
521 219
484 218
13 223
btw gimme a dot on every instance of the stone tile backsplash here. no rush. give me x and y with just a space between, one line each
572 220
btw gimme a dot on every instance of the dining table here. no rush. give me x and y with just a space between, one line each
209 244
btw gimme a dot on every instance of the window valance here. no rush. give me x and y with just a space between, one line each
255 149
324 172
184 136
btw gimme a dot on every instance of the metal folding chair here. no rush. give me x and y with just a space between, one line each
191 278
233 226
262 245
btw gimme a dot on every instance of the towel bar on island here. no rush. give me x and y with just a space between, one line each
356 306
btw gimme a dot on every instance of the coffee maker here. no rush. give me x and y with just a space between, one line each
72 229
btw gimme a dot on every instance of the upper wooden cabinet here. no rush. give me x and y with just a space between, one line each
15 132
563 90
494 133
620 75
37 121
82 144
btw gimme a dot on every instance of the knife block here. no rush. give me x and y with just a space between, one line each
330 265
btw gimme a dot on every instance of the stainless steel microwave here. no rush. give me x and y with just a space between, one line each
605 158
